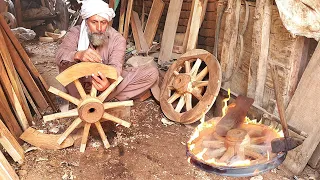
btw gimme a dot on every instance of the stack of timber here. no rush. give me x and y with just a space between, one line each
23 91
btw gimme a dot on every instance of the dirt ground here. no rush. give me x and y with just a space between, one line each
148 149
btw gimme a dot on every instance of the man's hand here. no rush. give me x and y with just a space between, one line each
101 83
88 55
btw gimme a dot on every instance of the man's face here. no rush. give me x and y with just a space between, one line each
97 27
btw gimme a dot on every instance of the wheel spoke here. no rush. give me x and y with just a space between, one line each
102 135
174 97
199 83
74 124
195 67
85 135
109 105
93 92
196 94
202 74
106 93
71 113
80 89
64 95
116 120
187 66
180 104
188 101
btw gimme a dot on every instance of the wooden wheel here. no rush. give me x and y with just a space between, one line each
90 107
190 86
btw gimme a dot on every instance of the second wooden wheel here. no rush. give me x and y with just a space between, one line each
190 86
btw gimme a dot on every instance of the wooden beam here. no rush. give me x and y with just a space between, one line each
257 43
138 36
303 114
13 76
264 51
25 74
8 117
10 144
121 18
6 171
17 7
229 43
153 21
12 96
169 31
128 18
197 18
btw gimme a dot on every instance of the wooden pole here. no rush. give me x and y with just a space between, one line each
121 19
153 21
197 18
128 18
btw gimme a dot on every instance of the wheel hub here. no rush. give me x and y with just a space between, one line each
181 82
91 110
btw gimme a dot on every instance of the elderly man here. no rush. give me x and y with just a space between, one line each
96 41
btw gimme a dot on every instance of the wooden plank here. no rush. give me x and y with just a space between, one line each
229 43
10 144
264 52
138 33
186 36
153 20
197 18
45 141
17 6
128 18
24 56
303 114
6 171
25 75
8 117
169 31
13 76
121 18
13 99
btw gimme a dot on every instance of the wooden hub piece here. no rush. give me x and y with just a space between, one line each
91 110
181 83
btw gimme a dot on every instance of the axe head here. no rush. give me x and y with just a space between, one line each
285 144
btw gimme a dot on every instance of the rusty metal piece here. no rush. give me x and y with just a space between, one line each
235 115
285 144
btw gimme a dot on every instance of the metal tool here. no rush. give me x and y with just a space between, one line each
285 143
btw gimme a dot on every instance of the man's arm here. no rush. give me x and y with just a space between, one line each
68 48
